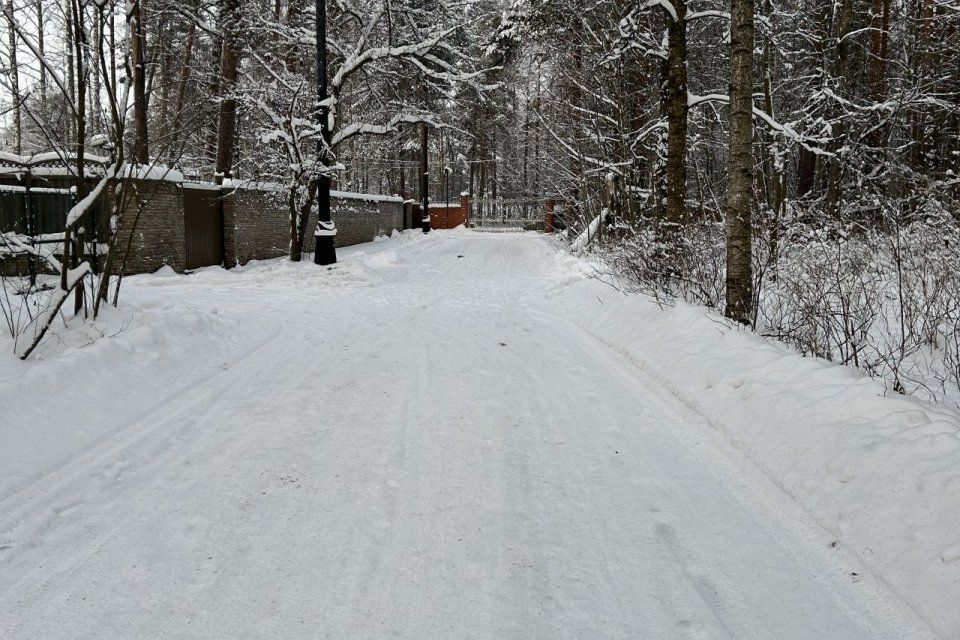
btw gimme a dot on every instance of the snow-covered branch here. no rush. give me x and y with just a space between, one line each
812 144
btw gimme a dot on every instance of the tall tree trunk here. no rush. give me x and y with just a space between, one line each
293 59
739 232
537 164
93 61
493 170
229 67
71 79
675 94
879 37
806 171
772 161
525 164
14 79
42 50
424 179
141 147
79 46
167 62
113 51
300 218
482 178
182 88
843 21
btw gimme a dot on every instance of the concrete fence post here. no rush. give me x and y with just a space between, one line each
228 218
548 216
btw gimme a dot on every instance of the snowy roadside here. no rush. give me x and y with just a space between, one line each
90 379
880 472
879 475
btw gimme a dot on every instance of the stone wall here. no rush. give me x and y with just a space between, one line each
154 211
447 215
256 222
256 226
360 218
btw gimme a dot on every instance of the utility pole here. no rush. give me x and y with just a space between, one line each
325 251
424 179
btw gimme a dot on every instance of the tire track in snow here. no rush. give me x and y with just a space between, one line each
277 518
883 603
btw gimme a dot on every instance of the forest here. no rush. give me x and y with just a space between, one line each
794 165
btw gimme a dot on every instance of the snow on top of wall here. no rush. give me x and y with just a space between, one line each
59 164
276 186
349 195
17 189
48 156
153 172
197 184
253 185
50 164
90 171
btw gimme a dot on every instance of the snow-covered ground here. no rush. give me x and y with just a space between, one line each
460 435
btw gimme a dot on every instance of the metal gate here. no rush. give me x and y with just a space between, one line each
514 214
203 226
38 210
12 216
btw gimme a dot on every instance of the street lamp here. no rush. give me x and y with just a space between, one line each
424 178
325 251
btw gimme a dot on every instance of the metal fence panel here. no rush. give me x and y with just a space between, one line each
12 216
203 228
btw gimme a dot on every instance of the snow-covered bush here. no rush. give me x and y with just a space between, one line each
884 298
660 262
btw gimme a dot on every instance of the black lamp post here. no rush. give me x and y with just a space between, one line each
325 235
424 179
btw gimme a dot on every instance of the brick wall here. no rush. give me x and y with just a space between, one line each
448 215
158 238
256 226
360 219
256 223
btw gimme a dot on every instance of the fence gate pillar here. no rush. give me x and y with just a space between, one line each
465 209
548 216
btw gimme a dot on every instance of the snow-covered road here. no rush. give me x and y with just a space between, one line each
419 443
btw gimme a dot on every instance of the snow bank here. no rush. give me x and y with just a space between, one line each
171 332
54 406
880 474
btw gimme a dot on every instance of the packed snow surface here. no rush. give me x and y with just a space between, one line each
459 435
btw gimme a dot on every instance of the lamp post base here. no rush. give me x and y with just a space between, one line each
325 251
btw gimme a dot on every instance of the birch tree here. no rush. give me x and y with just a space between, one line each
739 209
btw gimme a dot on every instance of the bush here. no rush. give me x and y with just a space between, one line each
884 298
